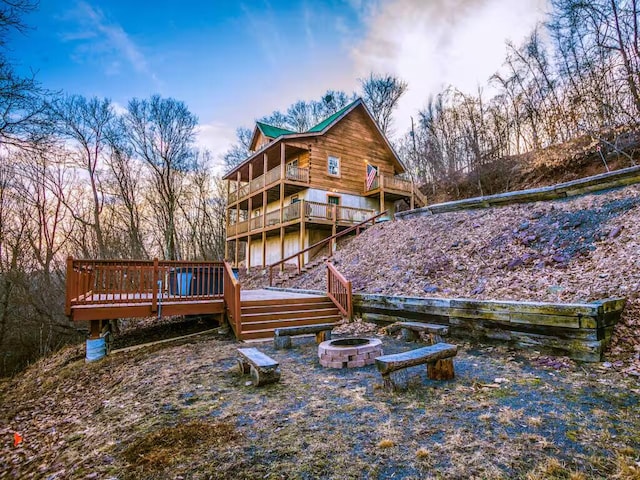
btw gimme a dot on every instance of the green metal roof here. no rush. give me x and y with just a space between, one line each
271 131
329 120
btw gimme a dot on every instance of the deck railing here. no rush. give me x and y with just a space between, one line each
256 222
390 183
311 211
291 212
319 210
91 282
339 291
294 174
329 240
273 218
232 299
272 176
298 174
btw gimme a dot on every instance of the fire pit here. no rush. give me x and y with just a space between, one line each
349 352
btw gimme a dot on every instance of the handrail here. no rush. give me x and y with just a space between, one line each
232 298
339 291
321 243
95 282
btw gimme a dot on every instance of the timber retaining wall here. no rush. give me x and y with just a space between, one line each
581 331
603 181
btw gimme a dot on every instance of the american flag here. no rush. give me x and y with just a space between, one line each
371 175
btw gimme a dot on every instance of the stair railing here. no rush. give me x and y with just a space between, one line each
300 255
232 299
339 291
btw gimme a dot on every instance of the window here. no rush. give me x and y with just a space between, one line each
333 199
292 164
256 213
333 166
294 199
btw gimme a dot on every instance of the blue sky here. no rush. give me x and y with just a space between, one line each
234 61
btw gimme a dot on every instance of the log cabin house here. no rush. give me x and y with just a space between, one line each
296 189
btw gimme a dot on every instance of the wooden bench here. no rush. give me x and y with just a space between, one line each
282 338
263 368
410 331
437 357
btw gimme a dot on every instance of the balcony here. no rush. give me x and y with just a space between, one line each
292 174
313 212
389 183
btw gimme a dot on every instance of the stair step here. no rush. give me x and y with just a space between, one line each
279 315
289 307
266 330
283 301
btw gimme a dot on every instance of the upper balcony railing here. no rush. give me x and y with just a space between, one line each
389 183
310 211
292 174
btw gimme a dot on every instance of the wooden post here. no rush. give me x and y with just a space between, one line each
155 291
303 231
381 193
282 248
282 177
226 250
237 310
71 286
237 246
95 327
248 252
441 370
264 249
412 202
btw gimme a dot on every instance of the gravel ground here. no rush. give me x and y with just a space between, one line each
182 411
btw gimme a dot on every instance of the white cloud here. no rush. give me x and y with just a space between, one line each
100 39
442 42
216 137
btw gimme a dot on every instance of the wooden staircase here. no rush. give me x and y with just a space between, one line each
261 317
283 277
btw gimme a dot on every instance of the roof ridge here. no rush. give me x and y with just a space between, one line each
331 118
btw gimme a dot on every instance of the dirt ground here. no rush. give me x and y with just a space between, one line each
182 411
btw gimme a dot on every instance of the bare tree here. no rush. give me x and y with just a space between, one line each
86 123
161 132
381 94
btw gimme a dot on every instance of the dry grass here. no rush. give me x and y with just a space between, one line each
183 410
166 446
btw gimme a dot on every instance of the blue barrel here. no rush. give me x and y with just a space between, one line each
96 349
184 282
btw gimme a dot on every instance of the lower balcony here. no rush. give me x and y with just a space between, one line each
310 212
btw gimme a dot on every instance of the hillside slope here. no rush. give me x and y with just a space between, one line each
581 249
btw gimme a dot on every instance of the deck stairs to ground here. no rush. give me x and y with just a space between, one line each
261 317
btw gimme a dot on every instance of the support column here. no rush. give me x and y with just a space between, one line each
249 214
412 202
282 174
282 248
303 232
226 250
235 260
264 249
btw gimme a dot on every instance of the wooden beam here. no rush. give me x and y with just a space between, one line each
264 249
282 248
303 233
282 175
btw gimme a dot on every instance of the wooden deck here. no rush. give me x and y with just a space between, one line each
100 290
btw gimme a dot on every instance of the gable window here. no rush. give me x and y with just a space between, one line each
333 166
